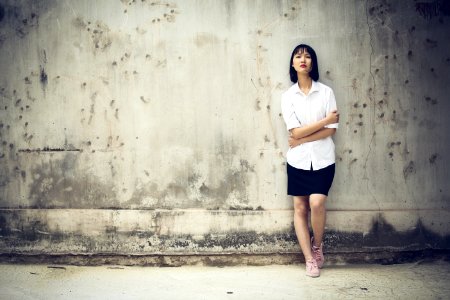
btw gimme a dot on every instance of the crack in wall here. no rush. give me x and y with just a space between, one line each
371 97
371 54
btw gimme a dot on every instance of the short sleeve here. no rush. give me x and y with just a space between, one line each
288 112
330 106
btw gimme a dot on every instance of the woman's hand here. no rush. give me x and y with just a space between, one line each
332 117
294 142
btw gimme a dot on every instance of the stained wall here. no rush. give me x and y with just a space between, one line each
148 127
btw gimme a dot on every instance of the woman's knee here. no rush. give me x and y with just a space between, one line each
301 210
301 207
317 209
317 204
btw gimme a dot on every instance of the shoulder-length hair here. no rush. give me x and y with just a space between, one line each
314 74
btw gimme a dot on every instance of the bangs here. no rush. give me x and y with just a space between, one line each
301 50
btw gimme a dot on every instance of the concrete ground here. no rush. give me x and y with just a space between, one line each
403 281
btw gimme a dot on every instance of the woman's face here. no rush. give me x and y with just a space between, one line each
302 62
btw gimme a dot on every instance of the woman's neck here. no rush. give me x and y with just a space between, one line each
304 83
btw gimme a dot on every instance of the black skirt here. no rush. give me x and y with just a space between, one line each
307 182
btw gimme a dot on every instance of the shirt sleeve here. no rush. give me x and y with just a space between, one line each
331 105
288 112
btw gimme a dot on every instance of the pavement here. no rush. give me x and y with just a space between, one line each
420 280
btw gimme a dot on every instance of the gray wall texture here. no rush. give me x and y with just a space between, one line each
154 127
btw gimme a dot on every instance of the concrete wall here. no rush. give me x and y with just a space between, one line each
148 127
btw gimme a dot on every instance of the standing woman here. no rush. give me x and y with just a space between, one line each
309 110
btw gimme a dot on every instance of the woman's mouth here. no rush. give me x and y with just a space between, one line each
303 66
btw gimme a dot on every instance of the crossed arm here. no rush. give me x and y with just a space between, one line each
314 131
318 135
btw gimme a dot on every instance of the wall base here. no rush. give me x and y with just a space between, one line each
222 260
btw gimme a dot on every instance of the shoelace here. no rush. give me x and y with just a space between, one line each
311 264
316 253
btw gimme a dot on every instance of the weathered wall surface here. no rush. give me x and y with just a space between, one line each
148 127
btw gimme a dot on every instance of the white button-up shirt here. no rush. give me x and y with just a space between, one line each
299 110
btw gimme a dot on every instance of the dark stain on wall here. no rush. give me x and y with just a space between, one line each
429 43
43 77
79 23
48 149
92 109
32 231
57 184
431 101
4 226
257 104
380 11
436 8
99 33
2 12
164 198
399 122
409 169
176 193
383 235
25 232
18 18
245 239
234 181
101 37
433 158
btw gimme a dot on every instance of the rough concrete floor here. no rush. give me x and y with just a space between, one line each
405 281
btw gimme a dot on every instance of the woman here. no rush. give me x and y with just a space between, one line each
309 110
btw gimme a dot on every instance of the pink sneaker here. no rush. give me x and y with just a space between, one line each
311 268
317 253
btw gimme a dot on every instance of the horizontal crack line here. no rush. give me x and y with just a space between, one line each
49 150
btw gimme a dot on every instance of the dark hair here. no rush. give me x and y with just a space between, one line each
314 74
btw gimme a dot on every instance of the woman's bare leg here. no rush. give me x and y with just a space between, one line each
318 216
301 210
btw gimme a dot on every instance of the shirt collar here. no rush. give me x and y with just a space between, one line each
314 87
